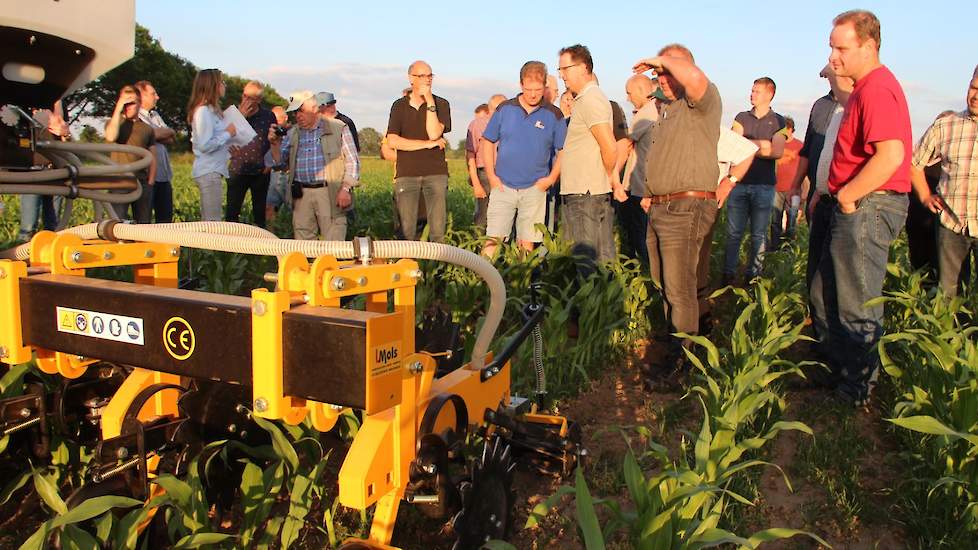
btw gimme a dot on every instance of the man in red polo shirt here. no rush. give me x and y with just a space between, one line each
869 178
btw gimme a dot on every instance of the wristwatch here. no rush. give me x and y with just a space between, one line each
733 179
432 108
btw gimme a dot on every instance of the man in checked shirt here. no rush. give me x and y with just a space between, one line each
323 169
952 141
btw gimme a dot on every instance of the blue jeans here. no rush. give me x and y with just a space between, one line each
782 204
850 273
753 202
818 232
587 221
162 201
30 208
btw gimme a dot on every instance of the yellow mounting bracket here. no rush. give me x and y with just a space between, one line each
12 348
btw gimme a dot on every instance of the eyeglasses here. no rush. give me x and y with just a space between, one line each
565 67
428 75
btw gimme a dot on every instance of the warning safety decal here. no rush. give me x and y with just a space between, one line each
106 326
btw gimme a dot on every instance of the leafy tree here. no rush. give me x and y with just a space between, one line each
171 75
369 142
90 135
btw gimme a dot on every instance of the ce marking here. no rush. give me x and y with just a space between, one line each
178 338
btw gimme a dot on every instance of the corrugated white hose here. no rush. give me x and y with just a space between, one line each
90 231
232 238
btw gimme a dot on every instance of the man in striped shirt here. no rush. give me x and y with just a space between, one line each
953 141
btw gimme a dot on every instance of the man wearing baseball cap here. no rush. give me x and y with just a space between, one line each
323 168
327 108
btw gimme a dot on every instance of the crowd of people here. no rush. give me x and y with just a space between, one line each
571 162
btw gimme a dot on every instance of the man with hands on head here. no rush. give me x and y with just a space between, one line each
415 130
126 128
681 176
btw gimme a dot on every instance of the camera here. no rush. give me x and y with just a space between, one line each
281 130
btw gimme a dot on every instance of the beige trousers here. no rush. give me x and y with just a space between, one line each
317 210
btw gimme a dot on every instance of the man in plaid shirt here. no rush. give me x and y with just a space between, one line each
952 141
323 169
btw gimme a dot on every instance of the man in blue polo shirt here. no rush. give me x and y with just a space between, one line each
521 145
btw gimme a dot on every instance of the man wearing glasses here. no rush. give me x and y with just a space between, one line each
417 124
247 167
587 170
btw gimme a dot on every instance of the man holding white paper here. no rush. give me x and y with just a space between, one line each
248 153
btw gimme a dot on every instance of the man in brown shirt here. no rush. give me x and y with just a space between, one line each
125 128
415 130
681 187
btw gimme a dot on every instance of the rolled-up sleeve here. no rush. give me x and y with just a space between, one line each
351 160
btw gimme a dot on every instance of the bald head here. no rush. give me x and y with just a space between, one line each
419 67
494 102
638 88
550 94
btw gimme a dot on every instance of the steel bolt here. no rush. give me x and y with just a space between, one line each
243 434
259 308
122 453
492 518
232 428
240 409
336 407
150 254
396 277
108 255
415 368
2 274
261 404
415 274
76 256
3 352
25 412
362 281
339 283
174 252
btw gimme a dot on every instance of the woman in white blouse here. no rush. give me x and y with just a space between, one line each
210 135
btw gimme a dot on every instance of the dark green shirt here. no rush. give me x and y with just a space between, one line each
683 154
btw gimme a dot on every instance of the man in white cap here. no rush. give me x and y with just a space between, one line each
323 168
327 108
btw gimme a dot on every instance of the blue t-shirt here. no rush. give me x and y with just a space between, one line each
526 143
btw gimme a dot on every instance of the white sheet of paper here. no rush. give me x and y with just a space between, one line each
245 133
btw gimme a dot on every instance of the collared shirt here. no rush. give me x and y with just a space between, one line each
641 135
310 165
824 162
876 111
209 136
683 155
249 158
473 139
818 122
353 128
761 171
526 142
411 123
582 169
953 140
163 170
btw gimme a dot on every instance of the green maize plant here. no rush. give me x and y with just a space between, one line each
932 360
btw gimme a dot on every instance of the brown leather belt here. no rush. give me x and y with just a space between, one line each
662 199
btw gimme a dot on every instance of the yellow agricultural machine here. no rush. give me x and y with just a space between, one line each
152 372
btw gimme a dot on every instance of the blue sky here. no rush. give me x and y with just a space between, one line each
361 50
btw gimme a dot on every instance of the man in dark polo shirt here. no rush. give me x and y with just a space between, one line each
681 175
869 178
415 130
752 200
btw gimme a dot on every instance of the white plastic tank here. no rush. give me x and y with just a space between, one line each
58 46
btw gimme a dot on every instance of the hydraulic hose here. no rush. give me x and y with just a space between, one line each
144 158
245 239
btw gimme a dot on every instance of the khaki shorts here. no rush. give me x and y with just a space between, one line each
528 207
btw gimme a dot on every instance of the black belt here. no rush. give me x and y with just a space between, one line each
888 192
312 185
